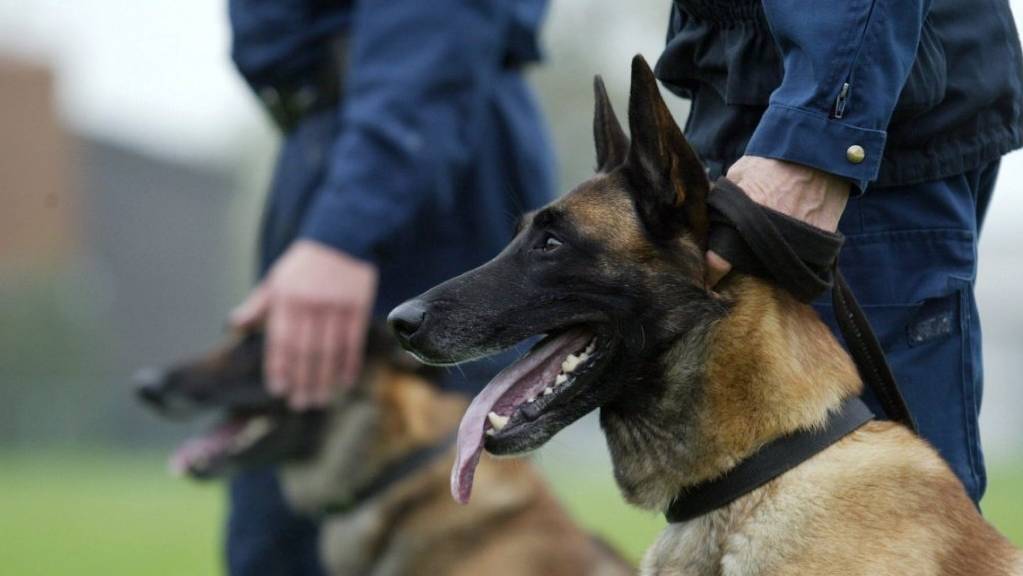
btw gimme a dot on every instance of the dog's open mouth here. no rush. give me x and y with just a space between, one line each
528 401
208 454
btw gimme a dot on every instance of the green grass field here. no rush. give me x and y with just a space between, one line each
85 513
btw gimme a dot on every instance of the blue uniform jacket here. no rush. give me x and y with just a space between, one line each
925 89
435 147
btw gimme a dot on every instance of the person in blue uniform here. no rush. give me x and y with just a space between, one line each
411 144
885 119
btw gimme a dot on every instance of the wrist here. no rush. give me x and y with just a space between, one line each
325 251
807 194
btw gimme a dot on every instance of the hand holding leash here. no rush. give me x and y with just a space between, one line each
316 304
807 194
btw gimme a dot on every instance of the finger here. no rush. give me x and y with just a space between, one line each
305 359
353 338
717 268
253 310
279 349
330 358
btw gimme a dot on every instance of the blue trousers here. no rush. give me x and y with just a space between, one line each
911 259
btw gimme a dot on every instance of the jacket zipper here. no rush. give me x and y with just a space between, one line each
841 101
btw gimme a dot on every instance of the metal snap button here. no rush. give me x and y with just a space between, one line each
855 154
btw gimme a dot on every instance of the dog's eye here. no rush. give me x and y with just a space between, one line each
550 243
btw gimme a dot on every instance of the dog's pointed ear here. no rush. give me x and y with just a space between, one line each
668 180
612 145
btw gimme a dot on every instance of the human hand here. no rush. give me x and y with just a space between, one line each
315 304
815 197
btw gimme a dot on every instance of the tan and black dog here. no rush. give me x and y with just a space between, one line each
375 467
689 382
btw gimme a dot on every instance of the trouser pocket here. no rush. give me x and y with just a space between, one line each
934 350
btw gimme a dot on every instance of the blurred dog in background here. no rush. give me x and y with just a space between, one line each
375 468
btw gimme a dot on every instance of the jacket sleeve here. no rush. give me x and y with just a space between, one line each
845 63
418 71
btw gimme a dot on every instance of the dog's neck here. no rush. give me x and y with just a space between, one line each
768 367
408 414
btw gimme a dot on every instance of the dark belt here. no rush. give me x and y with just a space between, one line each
289 104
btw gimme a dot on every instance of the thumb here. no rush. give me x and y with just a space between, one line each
717 268
253 310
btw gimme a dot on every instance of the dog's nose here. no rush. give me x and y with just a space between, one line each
149 386
406 319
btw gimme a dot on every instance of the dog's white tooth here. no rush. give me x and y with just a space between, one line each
548 391
561 379
490 432
531 400
570 363
584 357
497 421
254 430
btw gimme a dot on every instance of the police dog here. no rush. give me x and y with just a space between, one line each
688 381
394 424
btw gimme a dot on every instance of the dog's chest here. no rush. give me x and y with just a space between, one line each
708 546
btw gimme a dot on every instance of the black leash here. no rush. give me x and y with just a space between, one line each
391 475
771 461
803 260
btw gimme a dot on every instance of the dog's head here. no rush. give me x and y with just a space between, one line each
611 274
256 429
253 428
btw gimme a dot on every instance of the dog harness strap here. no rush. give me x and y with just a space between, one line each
771 461
803 260
392 474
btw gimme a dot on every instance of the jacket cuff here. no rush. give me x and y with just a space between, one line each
329 223
817 141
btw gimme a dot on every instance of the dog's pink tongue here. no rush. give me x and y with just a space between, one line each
513 384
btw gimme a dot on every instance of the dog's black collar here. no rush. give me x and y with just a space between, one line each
766 464
392 474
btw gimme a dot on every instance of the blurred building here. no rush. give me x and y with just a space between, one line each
110 259
38 211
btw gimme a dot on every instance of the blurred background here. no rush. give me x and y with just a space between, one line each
133 163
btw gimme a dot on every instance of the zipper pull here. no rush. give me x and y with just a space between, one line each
841 101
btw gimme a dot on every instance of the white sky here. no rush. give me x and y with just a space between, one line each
155 74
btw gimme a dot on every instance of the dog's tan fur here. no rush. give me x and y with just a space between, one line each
513 527
881 501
